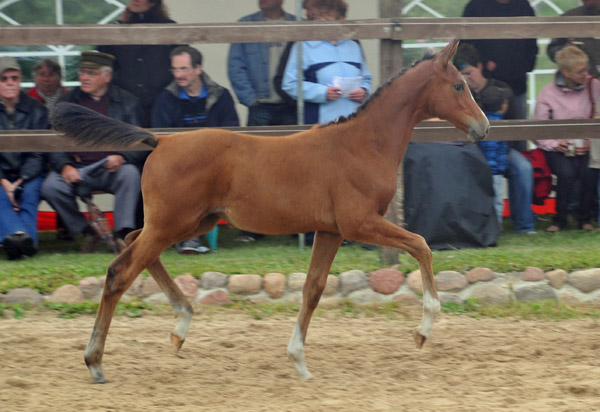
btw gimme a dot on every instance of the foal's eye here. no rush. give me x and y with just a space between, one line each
459 87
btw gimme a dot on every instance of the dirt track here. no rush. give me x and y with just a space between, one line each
231 362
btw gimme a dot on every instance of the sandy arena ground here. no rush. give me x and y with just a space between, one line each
231 362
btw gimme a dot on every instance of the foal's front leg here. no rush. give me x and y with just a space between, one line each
324 250
379 231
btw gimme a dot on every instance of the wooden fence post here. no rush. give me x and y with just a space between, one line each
390 63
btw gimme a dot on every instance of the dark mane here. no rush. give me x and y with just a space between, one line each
342 119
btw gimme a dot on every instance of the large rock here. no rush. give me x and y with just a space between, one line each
213 280
149 287
480 275
570 299
535 293
365 297
295 281
331 288
91 287
407 299
67 294
274 284
245 284
492 294
353 280
217 297
23 295
415 281
157 299
557 278
533 274
450 281
386 281
450 297
585 280
188 286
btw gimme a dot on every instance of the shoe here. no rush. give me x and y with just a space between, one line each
191 247
531 232
88 245
553 229
63 234
587 227
245 239
11 247
26 244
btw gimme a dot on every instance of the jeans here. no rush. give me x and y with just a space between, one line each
499 197
267 114
26 219
520 191
571 172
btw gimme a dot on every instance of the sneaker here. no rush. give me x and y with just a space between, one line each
245 239
191 247
26 244
531 232
11 247
553 229
587 227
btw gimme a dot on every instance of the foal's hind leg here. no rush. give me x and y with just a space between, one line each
120 275
181 306
324 250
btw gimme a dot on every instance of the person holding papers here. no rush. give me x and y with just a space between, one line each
336 79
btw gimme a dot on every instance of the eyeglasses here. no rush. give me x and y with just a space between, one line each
580 72
92 73
180 69
14 78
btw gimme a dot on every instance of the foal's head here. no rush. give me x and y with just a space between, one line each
447 96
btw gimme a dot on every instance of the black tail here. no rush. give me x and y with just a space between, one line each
86 126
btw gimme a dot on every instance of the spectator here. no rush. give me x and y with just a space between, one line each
252 67
192 100
119 175
591 46
494 103
519 171
141 69
507 60
47 77
48 88
570 96
328 65
21 174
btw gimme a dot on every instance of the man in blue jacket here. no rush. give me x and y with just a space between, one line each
192 100
252 67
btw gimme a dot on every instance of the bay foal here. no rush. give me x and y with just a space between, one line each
336 179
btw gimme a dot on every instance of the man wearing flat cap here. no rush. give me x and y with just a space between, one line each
21 174
120 175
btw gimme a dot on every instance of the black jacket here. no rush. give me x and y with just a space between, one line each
122 106
29 114
513 57
142 69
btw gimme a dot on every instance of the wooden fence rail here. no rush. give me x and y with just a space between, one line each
430 131
244 32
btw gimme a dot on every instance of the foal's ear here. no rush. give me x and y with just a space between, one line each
447 53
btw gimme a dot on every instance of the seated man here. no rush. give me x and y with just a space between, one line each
119 175
21 174
192 100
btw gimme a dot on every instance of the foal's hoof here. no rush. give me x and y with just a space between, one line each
97 374
419 338
177 342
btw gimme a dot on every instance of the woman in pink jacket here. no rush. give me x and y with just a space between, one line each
570 96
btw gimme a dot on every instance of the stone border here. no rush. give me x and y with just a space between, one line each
383 285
